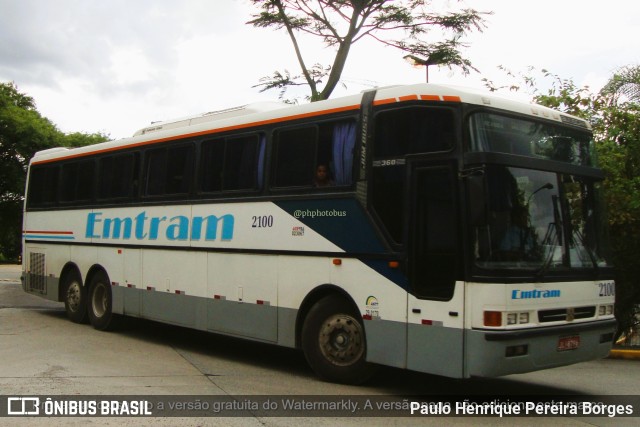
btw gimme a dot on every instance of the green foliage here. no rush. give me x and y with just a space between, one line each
339 24
23 132
614 114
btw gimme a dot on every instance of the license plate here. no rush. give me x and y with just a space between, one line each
568 343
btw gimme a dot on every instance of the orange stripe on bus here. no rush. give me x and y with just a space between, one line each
452 98
385 101
430 97
206 132
409 98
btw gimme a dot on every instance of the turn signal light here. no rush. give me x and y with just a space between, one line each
492 318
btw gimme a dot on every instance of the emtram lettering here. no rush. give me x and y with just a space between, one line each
142 227
534 294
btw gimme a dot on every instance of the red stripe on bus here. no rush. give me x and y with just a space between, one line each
47 232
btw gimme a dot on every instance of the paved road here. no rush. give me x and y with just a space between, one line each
41 353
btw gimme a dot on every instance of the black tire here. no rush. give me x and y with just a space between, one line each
334 342
100 303
74 296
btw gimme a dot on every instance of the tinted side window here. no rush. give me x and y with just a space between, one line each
211 165
414 130
77 181
434 232
43 186
169 170
295 157
388 198
118 176
300 151
231 164
240 163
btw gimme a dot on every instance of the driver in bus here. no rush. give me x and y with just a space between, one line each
517 242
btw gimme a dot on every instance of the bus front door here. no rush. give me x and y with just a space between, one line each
436 299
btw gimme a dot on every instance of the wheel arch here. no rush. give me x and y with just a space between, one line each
69 267
95 269
312 298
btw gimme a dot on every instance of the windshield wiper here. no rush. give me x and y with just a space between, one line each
551 239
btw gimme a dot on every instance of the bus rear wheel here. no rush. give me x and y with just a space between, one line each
75 298
334 342
101 303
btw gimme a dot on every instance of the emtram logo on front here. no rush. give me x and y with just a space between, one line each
535 294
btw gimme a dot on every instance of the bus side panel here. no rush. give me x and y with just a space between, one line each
132 285
435 334
297 277
386 342
173 280
382 304
435 350
242 295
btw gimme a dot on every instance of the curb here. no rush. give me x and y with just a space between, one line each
618 353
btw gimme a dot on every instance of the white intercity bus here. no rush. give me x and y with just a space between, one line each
452 232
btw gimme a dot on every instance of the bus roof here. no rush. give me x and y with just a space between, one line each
264 113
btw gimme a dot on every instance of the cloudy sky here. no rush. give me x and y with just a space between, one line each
114 66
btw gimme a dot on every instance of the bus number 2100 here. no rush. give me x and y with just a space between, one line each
262 221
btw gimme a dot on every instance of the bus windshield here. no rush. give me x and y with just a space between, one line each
541 221
502 134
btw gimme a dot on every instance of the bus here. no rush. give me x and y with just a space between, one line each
453 232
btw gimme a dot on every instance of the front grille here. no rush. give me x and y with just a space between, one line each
37 272
566 314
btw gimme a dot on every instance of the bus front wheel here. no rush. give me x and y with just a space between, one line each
334 342
75 298
101 303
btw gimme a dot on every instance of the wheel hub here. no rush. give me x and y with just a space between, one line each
341 340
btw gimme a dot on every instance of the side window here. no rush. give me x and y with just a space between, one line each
43 186
232 164
169 170
413 130
388 198
319 155
212 163
118 176
77 181
241 160
400 132
295 157
434 233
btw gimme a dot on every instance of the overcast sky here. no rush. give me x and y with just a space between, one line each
114 66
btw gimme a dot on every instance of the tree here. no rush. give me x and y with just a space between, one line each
614 114
618 130
342 23
23 131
